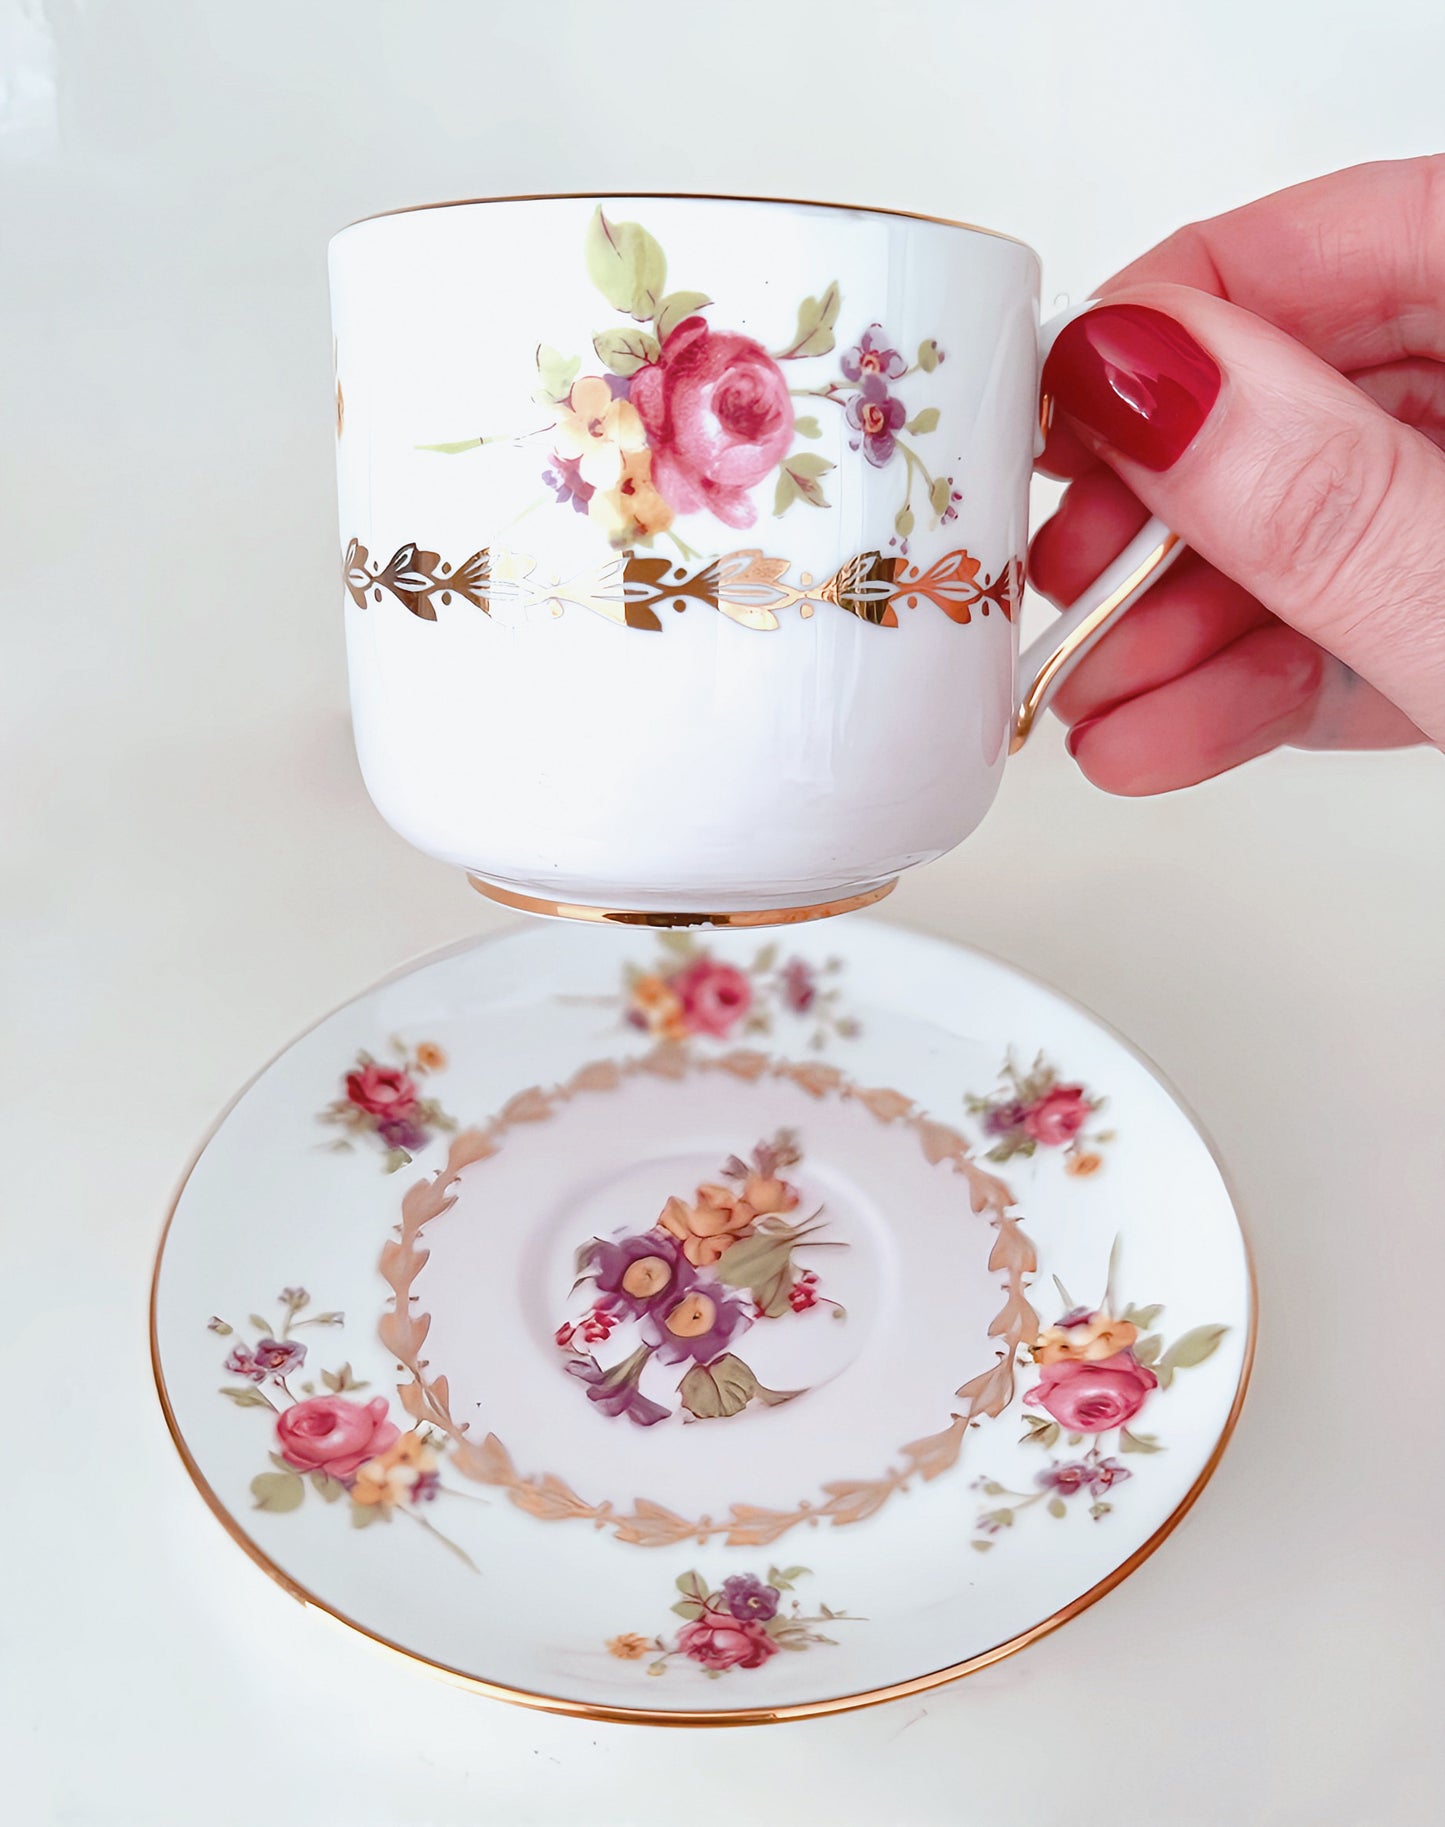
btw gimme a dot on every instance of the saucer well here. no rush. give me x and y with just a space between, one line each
700 1330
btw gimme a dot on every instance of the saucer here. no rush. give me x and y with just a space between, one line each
700 1331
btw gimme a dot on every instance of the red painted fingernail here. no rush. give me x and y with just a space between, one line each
1077 734
1134 378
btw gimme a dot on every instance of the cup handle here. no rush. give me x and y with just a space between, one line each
1048 661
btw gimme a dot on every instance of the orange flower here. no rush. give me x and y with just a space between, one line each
1082 1164
769 1193
392 1477
660 1006
430 1057
629 1647
1091 1341
633 509
709 1229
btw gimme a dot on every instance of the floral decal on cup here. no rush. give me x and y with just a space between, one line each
688 1287
1037 1109
686 417
1099 1367
690 994
741 1624
387 1103
337 1445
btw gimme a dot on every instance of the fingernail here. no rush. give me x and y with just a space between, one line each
1134 378
1077 734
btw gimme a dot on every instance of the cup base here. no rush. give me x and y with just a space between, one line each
846 900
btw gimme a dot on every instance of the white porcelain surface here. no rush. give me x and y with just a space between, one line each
928 1284
544 746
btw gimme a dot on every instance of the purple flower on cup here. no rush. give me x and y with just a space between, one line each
615 1391
639 1273
1003 1119
564 479
242 1363
876 416
1107 1472
700 1326
280 1356
873 356
746 1596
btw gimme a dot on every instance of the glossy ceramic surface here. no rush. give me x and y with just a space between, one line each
678 1307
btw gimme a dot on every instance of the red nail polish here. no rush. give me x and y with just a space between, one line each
1077 734
1134 378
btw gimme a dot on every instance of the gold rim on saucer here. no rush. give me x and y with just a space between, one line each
631 916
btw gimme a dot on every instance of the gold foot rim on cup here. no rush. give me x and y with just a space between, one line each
631 916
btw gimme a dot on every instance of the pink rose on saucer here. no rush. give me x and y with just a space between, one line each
1058 1117
715 997
718 417
719 1641
1090 1398
381 1091
329 1434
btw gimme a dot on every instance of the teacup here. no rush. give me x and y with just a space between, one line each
684 542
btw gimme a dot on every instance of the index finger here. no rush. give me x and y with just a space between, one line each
1351 265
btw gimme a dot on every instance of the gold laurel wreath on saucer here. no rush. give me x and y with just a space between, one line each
426 1398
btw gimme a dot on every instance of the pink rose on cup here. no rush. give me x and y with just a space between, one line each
719 1641
1058 1117
715 997
381 1091
718 418
1090 1398
331 1435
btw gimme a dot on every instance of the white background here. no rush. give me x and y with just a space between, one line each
191 873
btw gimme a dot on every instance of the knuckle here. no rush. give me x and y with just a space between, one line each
1322 512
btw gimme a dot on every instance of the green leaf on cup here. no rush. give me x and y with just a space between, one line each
626 265
807 427
927 420
798 481
625 351
903 521
555 375
816 318
928 355
675 308
938 495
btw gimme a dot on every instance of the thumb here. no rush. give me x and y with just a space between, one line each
1276 470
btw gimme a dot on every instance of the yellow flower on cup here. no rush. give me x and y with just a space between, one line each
1087 1341
633 509
629 1647
709 1229
404 1474
659 1007
596 431
430 1057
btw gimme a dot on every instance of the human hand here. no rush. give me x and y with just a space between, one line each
1286 416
